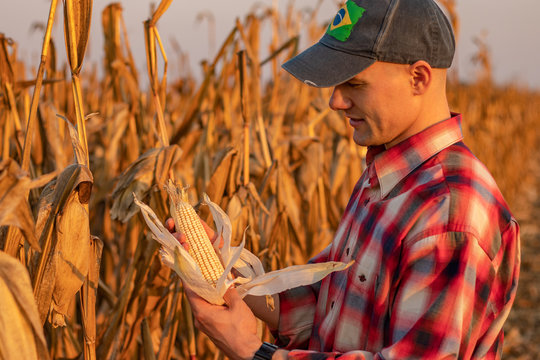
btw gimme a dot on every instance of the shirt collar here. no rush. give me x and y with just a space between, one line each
388 167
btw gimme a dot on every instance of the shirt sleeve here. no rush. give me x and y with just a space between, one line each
297 310
451 299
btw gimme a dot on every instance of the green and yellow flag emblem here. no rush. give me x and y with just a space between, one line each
345 20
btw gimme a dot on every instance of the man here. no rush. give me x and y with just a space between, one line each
436 249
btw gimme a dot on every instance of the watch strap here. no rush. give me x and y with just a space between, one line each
265 352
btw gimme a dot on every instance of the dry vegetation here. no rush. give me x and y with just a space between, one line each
74 148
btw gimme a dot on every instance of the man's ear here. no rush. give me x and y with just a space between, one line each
421 76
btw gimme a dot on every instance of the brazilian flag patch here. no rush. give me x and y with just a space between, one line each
345 19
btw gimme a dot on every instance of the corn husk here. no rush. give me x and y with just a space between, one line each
89 297
22 334
253 280
63 227
77 19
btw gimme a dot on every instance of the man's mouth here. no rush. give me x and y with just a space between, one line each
355 122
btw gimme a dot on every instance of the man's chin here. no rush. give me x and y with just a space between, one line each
362 139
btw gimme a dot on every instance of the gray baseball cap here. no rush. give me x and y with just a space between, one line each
365 31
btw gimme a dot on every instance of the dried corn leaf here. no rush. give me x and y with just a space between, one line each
151 168
220 174
14 208
24 84
77 18
338 171
163 6
53 142
151 55
118 127
78 149
289 200
147 341
255 195
6 70
22 334
311 168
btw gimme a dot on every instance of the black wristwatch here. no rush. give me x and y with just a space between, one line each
265 352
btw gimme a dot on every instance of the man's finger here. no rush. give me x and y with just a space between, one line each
181 238
209 231
212 234
231 297
194 300
169 224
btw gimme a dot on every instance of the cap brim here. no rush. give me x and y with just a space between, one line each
322 66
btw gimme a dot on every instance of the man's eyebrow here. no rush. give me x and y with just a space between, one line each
354 81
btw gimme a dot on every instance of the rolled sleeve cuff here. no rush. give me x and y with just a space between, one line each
297 311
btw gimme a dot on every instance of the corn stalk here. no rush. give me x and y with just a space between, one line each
151 36
244 104
31 124
77 19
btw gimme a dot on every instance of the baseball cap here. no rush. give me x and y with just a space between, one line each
365 31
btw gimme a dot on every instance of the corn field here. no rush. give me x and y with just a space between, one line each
80 275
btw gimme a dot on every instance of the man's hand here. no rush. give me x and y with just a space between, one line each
233 327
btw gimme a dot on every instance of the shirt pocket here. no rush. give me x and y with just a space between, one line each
363 277
354 325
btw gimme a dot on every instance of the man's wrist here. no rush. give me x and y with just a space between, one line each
280 354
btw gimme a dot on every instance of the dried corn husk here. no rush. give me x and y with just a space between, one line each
63 227
72 256
88 297
77 15
253 280
22 334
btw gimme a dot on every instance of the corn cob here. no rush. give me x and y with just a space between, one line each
187 221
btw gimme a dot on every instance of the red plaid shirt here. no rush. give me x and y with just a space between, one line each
436 255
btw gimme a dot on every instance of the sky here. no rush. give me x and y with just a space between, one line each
510 29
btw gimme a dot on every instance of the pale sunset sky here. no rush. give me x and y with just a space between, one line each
511 29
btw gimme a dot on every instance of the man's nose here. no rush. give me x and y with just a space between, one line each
338 100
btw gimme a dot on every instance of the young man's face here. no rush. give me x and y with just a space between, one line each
379 104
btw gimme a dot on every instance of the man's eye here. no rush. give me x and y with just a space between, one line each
356 85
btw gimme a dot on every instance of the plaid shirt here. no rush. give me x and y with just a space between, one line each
436 255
